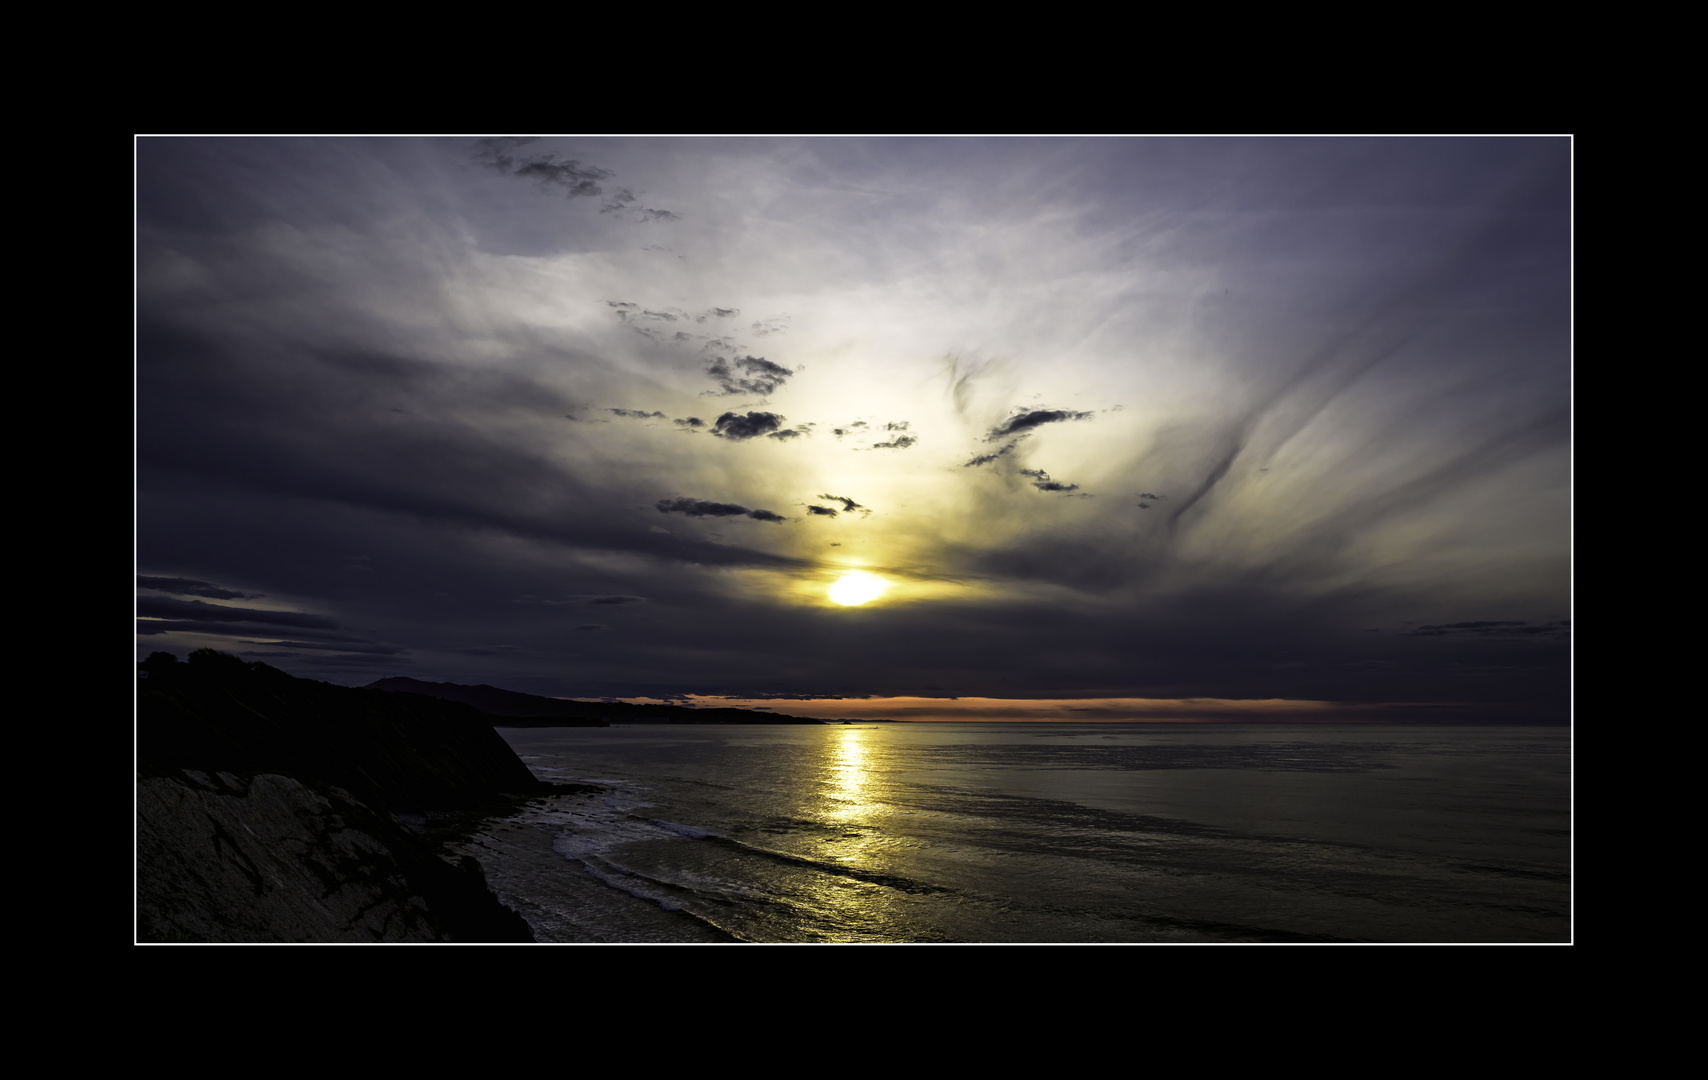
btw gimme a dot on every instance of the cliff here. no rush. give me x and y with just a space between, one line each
267 808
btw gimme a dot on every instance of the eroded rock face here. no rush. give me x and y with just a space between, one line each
266 809
267 859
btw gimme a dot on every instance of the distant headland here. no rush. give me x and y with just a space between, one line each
510 708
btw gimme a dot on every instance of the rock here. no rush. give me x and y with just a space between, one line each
267 809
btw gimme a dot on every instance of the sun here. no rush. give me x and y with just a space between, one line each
857 587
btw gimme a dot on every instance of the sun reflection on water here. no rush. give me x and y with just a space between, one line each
849 779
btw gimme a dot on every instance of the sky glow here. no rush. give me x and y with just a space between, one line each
1114 418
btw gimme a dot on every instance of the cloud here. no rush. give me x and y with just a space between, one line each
821 511
986 459
1386 327
582 598
571 177
192 587
1026 421
1519 628
763 377
848 505
376 648
649 214
161 607
706 508
1041 480
741 427
900 442
295 320
636 414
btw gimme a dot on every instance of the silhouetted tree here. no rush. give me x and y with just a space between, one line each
159 664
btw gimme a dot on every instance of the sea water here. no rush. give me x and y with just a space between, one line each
964 832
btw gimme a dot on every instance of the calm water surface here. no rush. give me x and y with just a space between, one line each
1041 833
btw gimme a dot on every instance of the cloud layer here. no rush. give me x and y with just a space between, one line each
1139 418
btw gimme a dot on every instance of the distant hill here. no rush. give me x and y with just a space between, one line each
517 709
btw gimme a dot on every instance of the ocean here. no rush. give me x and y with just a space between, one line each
1033 833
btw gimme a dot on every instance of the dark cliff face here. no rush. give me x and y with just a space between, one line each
267 806
226 858
402 751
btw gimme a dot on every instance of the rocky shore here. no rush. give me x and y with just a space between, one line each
273 809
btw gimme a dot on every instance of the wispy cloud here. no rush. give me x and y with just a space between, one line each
706 508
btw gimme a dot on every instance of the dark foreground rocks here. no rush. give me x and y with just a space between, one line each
226 858
268 809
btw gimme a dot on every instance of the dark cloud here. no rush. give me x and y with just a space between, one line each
706 508
719 312
334 661
619 199
1041 480
571 177
900 442
1026 421
376 648
762 378
785 435
191 587
740 427
1518 628
821 511
287 429
583 598
650 214
636 414
898 426
691 422
161 607
848 505
986 459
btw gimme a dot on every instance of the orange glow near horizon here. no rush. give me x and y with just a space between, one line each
1057 710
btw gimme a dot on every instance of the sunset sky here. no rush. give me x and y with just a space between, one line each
1249 420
